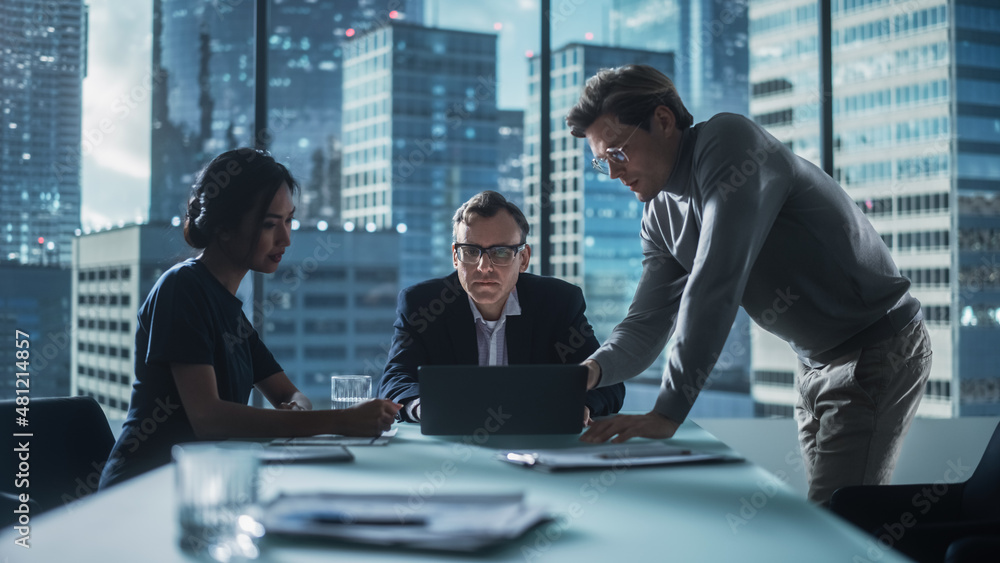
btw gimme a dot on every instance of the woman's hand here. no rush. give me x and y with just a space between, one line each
370 418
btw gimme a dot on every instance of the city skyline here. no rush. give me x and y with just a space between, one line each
118 89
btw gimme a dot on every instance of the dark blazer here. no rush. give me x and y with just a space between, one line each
434 326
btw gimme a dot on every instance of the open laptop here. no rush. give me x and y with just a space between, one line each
521 399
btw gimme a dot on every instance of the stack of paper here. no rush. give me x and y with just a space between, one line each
611 455
278 454
441 522
336 440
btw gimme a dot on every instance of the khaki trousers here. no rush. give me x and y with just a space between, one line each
853 413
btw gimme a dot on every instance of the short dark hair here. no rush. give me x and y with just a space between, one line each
487 204
631 93
234 184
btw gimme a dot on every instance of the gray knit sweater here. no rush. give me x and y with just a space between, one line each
744 221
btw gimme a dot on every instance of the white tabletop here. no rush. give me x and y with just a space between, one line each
712 513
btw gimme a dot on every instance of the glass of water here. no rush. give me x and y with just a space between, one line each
349 390
217 488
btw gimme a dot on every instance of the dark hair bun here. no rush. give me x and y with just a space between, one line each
233 185
193 233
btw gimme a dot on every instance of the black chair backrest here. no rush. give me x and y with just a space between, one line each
981 494
71 440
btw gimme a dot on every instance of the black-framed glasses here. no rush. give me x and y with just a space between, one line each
612 154
499 255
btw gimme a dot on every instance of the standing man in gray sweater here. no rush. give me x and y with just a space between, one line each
732 217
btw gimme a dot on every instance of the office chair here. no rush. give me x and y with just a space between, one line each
70 442
922 521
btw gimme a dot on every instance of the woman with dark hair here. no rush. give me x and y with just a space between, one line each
196 354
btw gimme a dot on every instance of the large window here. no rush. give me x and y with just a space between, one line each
391 114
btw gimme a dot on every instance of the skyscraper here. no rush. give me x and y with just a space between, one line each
511 156
595 233
203 72
42 65
420 136
709 42
917 145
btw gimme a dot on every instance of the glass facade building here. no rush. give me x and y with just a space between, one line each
421 132
203 91
510 165
710 45
43 53
709 40
595 233
917 145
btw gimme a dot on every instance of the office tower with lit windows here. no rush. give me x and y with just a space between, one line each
43 54
420 130
917 146
203 91
709 42
711 61
511 156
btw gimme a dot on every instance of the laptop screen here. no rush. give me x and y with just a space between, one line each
522 399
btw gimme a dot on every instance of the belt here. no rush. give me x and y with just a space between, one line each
905 311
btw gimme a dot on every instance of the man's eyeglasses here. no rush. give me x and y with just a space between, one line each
613 154
499 255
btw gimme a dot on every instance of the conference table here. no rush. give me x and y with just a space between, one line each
723 512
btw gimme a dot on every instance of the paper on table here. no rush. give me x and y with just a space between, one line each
275 454
611 455
442 522
335 440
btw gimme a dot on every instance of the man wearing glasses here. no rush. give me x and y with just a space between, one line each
732 217
490 311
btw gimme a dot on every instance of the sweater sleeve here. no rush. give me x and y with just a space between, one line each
635 343
576 344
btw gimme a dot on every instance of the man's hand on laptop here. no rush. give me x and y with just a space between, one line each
587 421
625 426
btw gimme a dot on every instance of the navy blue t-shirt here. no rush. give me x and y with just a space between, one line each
189 317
